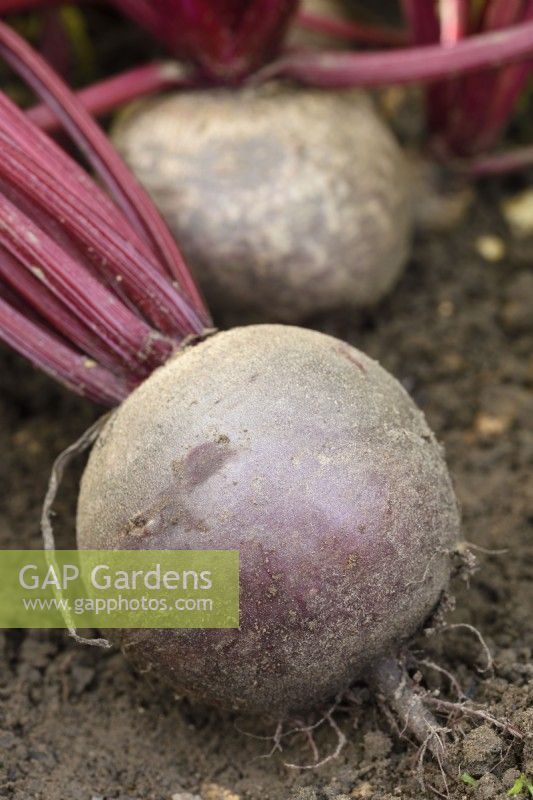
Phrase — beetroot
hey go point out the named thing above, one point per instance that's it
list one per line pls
(286, 202)
(306, 456)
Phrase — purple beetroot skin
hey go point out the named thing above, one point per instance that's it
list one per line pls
(306, 456)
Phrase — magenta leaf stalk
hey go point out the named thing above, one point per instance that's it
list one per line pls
(509, 88)
(53, 311)
(261, 32)
(422, 19)
(411, 65)
(132, 84)
(453, 20)
(499, 163)
(501, 13)
(46, 352)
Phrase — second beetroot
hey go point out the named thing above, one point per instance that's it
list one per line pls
(285, 202)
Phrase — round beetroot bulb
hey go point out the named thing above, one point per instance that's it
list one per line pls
(310, 459)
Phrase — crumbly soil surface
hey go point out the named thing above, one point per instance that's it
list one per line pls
(77, 724)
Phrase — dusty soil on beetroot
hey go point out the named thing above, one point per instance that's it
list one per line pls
(76, 723)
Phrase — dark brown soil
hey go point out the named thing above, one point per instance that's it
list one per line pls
(76, 723)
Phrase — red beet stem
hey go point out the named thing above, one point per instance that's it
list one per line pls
(53, 312)
(106, 95)
(61, 362)
(423, 20)
(453, 20)
(501, 13)
(261, 32)
(352, 31)
(134, 202)
(427, 63)
(499, 163)
(196, 30)
(484, 109)
(508, 89)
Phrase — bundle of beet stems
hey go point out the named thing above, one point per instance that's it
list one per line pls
(346, 522)
(94, 290)
(459, 48)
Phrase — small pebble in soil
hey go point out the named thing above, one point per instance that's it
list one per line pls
(364, 790)
(508, 403)
(213, 791)
(489, 425)
(445, 309)
(481, 749)
(518, 213)
(185, 796)
(490, 248)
